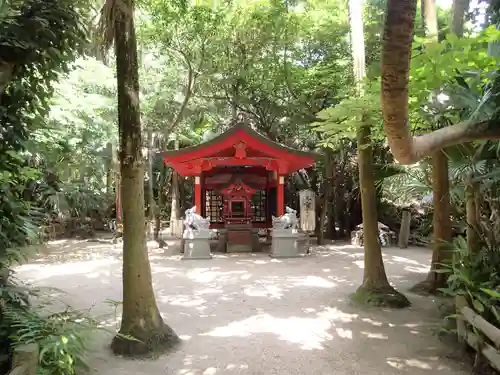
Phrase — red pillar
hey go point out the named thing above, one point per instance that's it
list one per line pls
(197, 194)
(280, 196)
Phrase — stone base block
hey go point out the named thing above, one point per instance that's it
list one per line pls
(196, 244)
(285, 245)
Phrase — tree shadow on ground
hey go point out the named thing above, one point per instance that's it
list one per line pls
(250, 314)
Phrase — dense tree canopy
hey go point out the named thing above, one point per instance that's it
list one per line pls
(79, 121)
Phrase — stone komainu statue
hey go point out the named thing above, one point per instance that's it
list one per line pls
(195, 221)
(286, 221)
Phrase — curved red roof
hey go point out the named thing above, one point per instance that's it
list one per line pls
(242, 146)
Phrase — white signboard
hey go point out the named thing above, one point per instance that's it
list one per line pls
(307, 210)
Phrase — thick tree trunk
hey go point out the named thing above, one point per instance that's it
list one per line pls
(396, 53)
(375, 289)
(141, 318)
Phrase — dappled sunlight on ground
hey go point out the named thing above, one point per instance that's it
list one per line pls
(250, 314)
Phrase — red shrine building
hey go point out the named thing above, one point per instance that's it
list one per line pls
(239, 177)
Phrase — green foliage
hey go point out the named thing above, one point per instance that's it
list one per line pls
(476, 276)
(446, 78)
(63, 338)
(34, 52)
(38, 41)
(344, 119)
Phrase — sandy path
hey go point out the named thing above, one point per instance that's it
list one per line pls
(248, 314)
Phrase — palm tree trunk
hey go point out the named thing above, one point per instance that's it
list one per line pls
(375, 289)
(141, 318)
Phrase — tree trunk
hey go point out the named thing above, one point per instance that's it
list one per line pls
(460, 8)
(472, 212)
(440, 184)
(375, 289)
(332, 225)
(396, 53)
(162, 197)
(327, 187)
(118, 183)
(109, 168)
(404, 232)
(429, 18)
(341, 211)
(175, 210)
(151, 198)
(441, 223)
(141, 319)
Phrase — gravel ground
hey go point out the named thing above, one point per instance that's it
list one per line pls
(249, 314)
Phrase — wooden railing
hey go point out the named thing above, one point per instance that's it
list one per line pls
(25, 360)
(478, 333)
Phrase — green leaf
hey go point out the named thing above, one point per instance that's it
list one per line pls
(478, 306)
(491, 293)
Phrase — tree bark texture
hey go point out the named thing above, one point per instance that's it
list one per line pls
(440, 220)
(374, 273)
(375, 289)
(141, 318)
(396, 54)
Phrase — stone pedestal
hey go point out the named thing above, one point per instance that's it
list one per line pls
(196, 244)
(239, 238)
(256, 247)
(285, 244)
(222, 241)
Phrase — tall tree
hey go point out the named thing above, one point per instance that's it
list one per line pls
(142, 328)
(375, 289)
(441, 219)
(396, 53)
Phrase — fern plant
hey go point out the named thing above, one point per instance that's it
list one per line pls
(63, 337)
